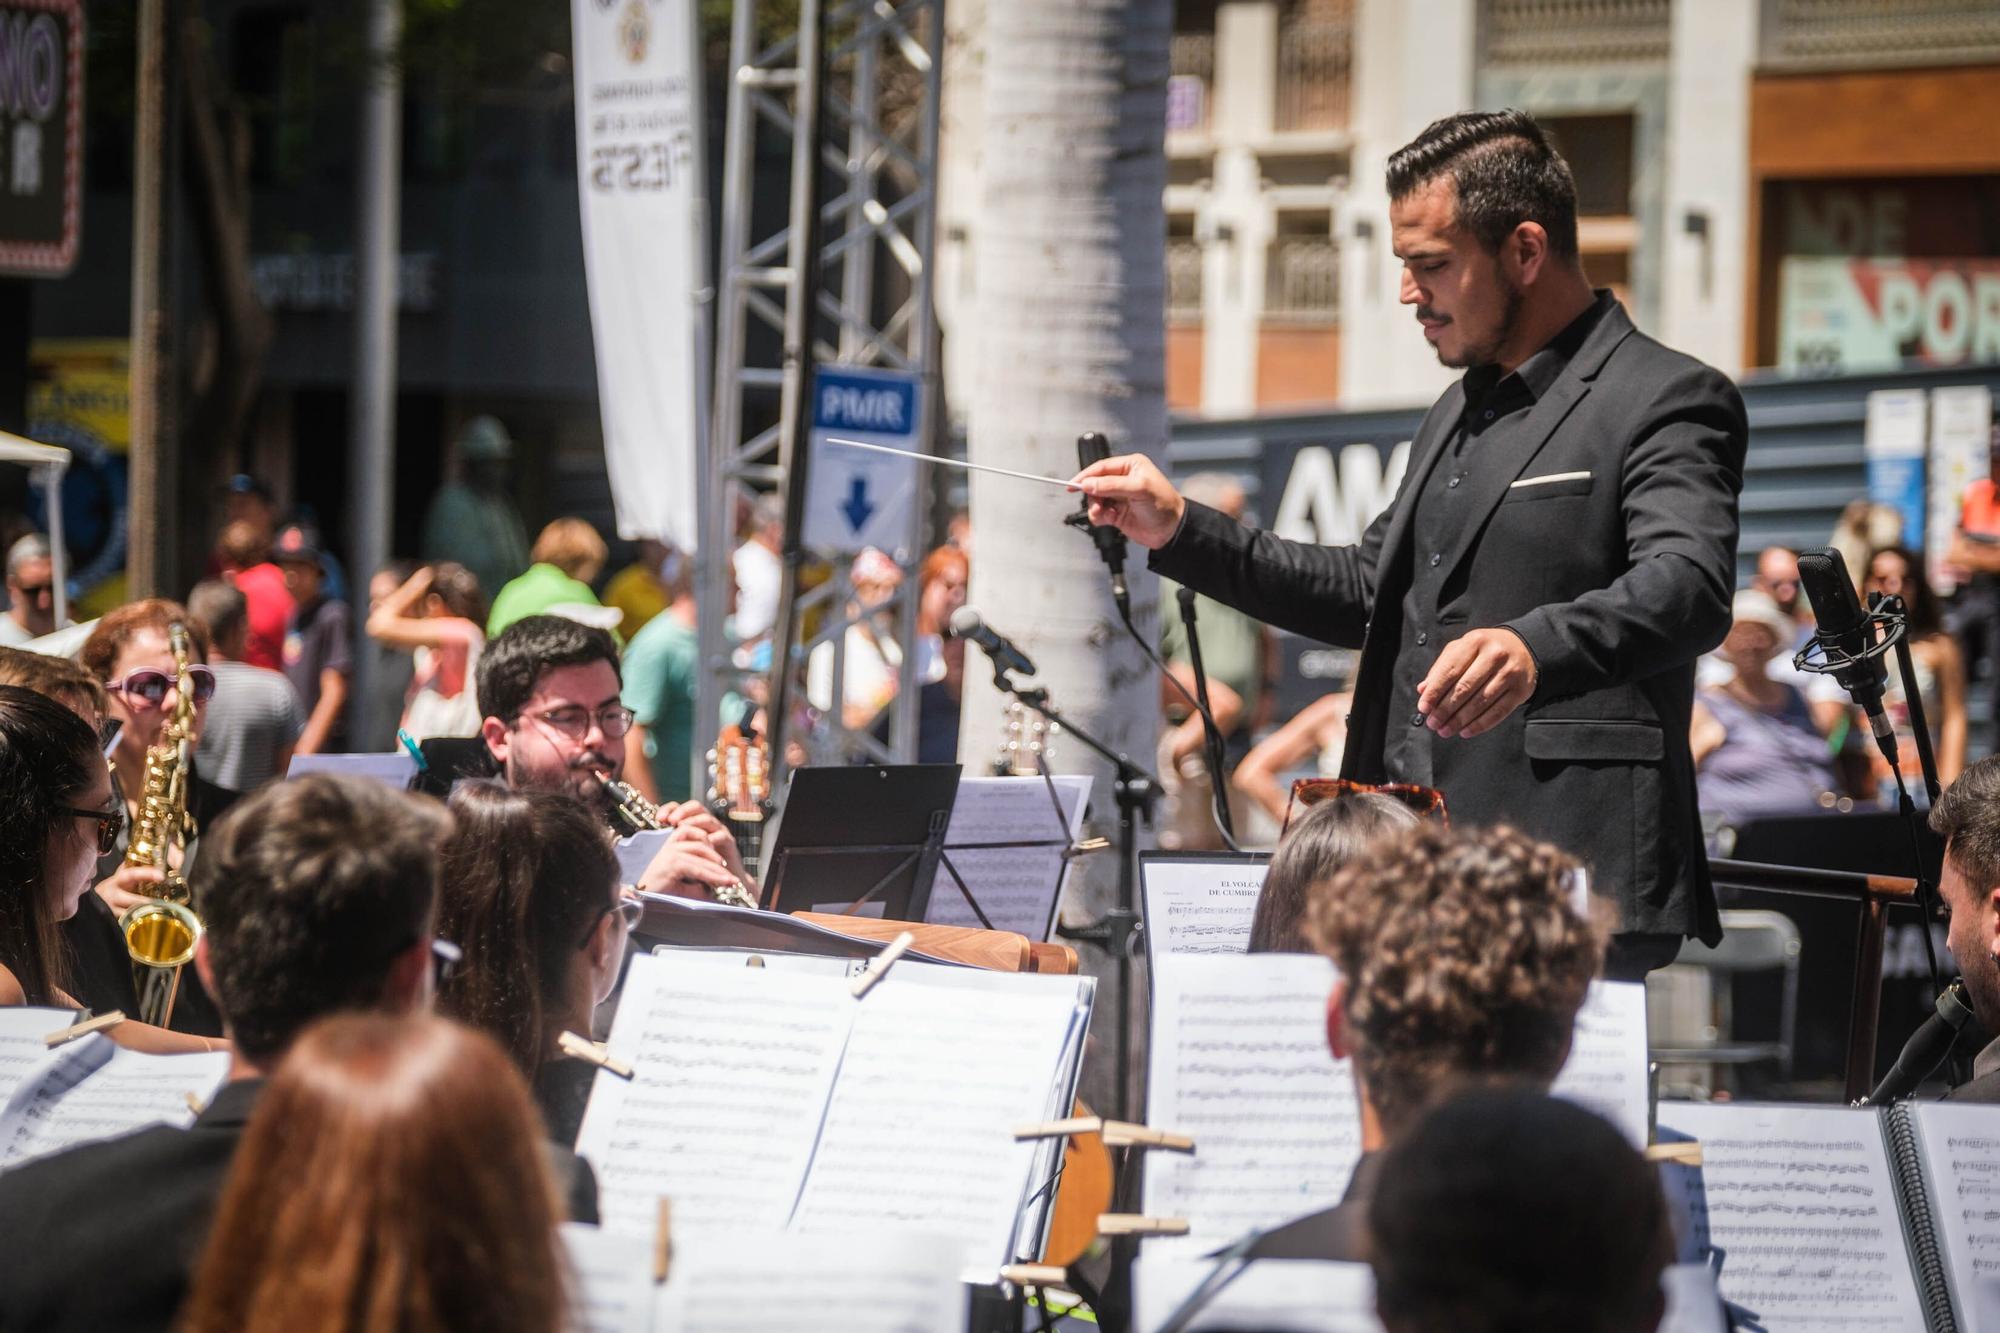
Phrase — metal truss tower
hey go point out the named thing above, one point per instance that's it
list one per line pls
(841, 277)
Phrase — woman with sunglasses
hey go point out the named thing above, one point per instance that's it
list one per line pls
(530, 892)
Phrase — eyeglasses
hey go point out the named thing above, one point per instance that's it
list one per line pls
(574, 721)
(110, 823)
(32, 591)
(149, 685)
(630, 911)
(1426, 801)
(445, 960)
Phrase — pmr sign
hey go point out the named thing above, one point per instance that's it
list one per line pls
(41, 136)
(858, 498)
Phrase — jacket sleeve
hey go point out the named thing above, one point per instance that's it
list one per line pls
(1682, 476)
(1322, 592)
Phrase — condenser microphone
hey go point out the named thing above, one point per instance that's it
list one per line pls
(966, 624)
(1844, 636)
(1927, 1048)
(1091, 447)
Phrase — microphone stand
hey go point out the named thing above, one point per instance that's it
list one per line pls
(1211, 734)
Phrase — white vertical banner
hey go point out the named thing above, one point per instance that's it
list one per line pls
(638, 159)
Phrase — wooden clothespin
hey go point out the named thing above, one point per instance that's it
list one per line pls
(1060, 1129)
(878, 966)
(1122, 1134)
(663, 1240)
(582, 1048)
(1686, 1152)
(193, 1102)
(83, 1027)
(1084, 847)
(1132, 1224)
(1036, 1275)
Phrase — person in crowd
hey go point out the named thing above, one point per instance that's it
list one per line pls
(645, 587)
(255, 718)
(1939, 666)
(1864, 527)
(567, 558)
(1460, 959)
(662, 667)
(31, 591)
(429, 1203)
(58, 678)
(319, 897)
(245, 499)
(472, 520)
(1973, 561)
(1967, 817)
(872, 657)
(1757, 752)
(1316, 733)
(758, 564)
(245, 551)
(942, 581)
(1549, 1219)
(435, 614)
(1323, 837)
(1238, 654)
(1777, 577)
(531, 893)
(319, 643)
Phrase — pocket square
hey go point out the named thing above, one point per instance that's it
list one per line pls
(1545, 480)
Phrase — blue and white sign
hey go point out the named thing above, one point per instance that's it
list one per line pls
(1893, 442)
(858, 498)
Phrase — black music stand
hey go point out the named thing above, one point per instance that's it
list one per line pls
(851, 837)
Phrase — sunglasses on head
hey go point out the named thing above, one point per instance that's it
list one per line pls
(1426, 801)
(150, 685)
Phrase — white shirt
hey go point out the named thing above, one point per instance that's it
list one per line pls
(758, 575)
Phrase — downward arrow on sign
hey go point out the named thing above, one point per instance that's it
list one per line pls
(856, 506)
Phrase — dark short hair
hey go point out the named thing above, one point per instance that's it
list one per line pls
(1967, 817)
(220, 607)
(310, 889)
(1507, 1210)
(1322, 839)
(512, 665)
(1505, 170)
(46, 758)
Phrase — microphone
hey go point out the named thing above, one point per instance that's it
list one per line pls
(1927, 1047)
(1091, 447)
(1844, 639)
(966, 624)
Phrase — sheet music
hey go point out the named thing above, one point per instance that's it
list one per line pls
(1606, 1072)
(23, 1052)
(731, 1070)
(940, 1068)
(1798, 1205)
(1693, 1303)
(396, 767)
(896, 1282)
(1199, 907)
(636, 852)
(1959, 1143)
(1017, 887)
(613, 1288)
(97, 1090)
(1239, 1062)
(1284, 1296)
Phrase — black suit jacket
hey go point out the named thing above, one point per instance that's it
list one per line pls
(1617, 579)
(103, 1238)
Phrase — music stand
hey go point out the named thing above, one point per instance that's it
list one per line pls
(864, 838)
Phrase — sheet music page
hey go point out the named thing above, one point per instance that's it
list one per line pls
(1199, 907)
(732, 1068)
(636, 852)
(1693, 1303)
(613, 1287)
(939, 1070)
(102, 1092)
(1239, 1062)
(891, 1282)
(396, 767)
(23, 1053)
(1959, 1143)
(1606, 1072)
(1798, 1204)
(1284, 1296)
(1017, 887)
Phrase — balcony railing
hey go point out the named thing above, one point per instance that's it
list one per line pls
(1314, 60)
(1568, 32)
(1879, 32)
(1183, 278)
(1302, 280)
(1192, 79)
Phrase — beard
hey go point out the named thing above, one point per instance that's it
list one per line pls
(1486, 352)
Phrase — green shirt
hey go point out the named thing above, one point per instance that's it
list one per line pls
(532, 594)
(659, 669)
(1232, 644)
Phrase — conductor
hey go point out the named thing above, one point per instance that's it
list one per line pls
(1559, 552)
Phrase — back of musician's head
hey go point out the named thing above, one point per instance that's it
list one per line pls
(1322, 838)
(1462, 958)
(527, 877)
(57, 678)
(312, 892)
(1508, 1211)
(512, 664)
(393, 1176)
(47, 760)
(1504, 171)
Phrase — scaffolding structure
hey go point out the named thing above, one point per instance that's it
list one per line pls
(842, 278)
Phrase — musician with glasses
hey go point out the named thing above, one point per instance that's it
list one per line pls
(31, 591)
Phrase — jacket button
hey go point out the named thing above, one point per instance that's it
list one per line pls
(1437, 558)
(1422, 638)
(1416, 719)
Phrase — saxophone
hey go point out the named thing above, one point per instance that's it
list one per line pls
(161, 934)
(643, 816)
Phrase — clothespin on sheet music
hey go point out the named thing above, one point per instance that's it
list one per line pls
(1116, 1133)
(1084, 847)
(83, 1027)
(663, 1240)
(1036, 1275)
(878, 966)
(1686, 1152)
(582, 1048)
(193, 1102)
(1060, 1129)
(1132, 1224)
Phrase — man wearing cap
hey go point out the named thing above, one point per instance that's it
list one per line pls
(472, 520)
(319, 646)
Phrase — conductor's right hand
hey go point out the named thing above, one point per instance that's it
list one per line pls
(1131, 494)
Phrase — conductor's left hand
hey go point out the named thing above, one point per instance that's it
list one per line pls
(1476, 682)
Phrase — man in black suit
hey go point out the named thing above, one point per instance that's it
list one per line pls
(318, 897)
(1560, 551)
(1967, 817)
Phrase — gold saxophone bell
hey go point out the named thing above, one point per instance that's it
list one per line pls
(161, 937)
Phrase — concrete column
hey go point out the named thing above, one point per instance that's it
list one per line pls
(1705, 246)
(1235, 227)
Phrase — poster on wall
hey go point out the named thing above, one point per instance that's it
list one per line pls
(41, 136)
(79, 397)
(1893, 440)
(1841, 316)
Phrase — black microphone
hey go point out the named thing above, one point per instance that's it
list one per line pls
(1092, 447)
(1843, 636)
(1926, 1048)
(966, 624)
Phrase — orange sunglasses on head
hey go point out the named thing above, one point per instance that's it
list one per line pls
(1426, 801)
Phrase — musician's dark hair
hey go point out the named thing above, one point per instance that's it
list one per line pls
(1464, 960)
(526, 876)
(311, 890)
(99, 654)
(48, 756)
(1920, 604)
(1504, 170)
(1967, 817)
(430, 1201)
(1549, 1217)
(512, 664)
(1322, 838)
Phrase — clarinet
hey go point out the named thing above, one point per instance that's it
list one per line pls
(644, 816)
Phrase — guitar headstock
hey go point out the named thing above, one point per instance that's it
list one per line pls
(739, 771)
(1024, 743)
